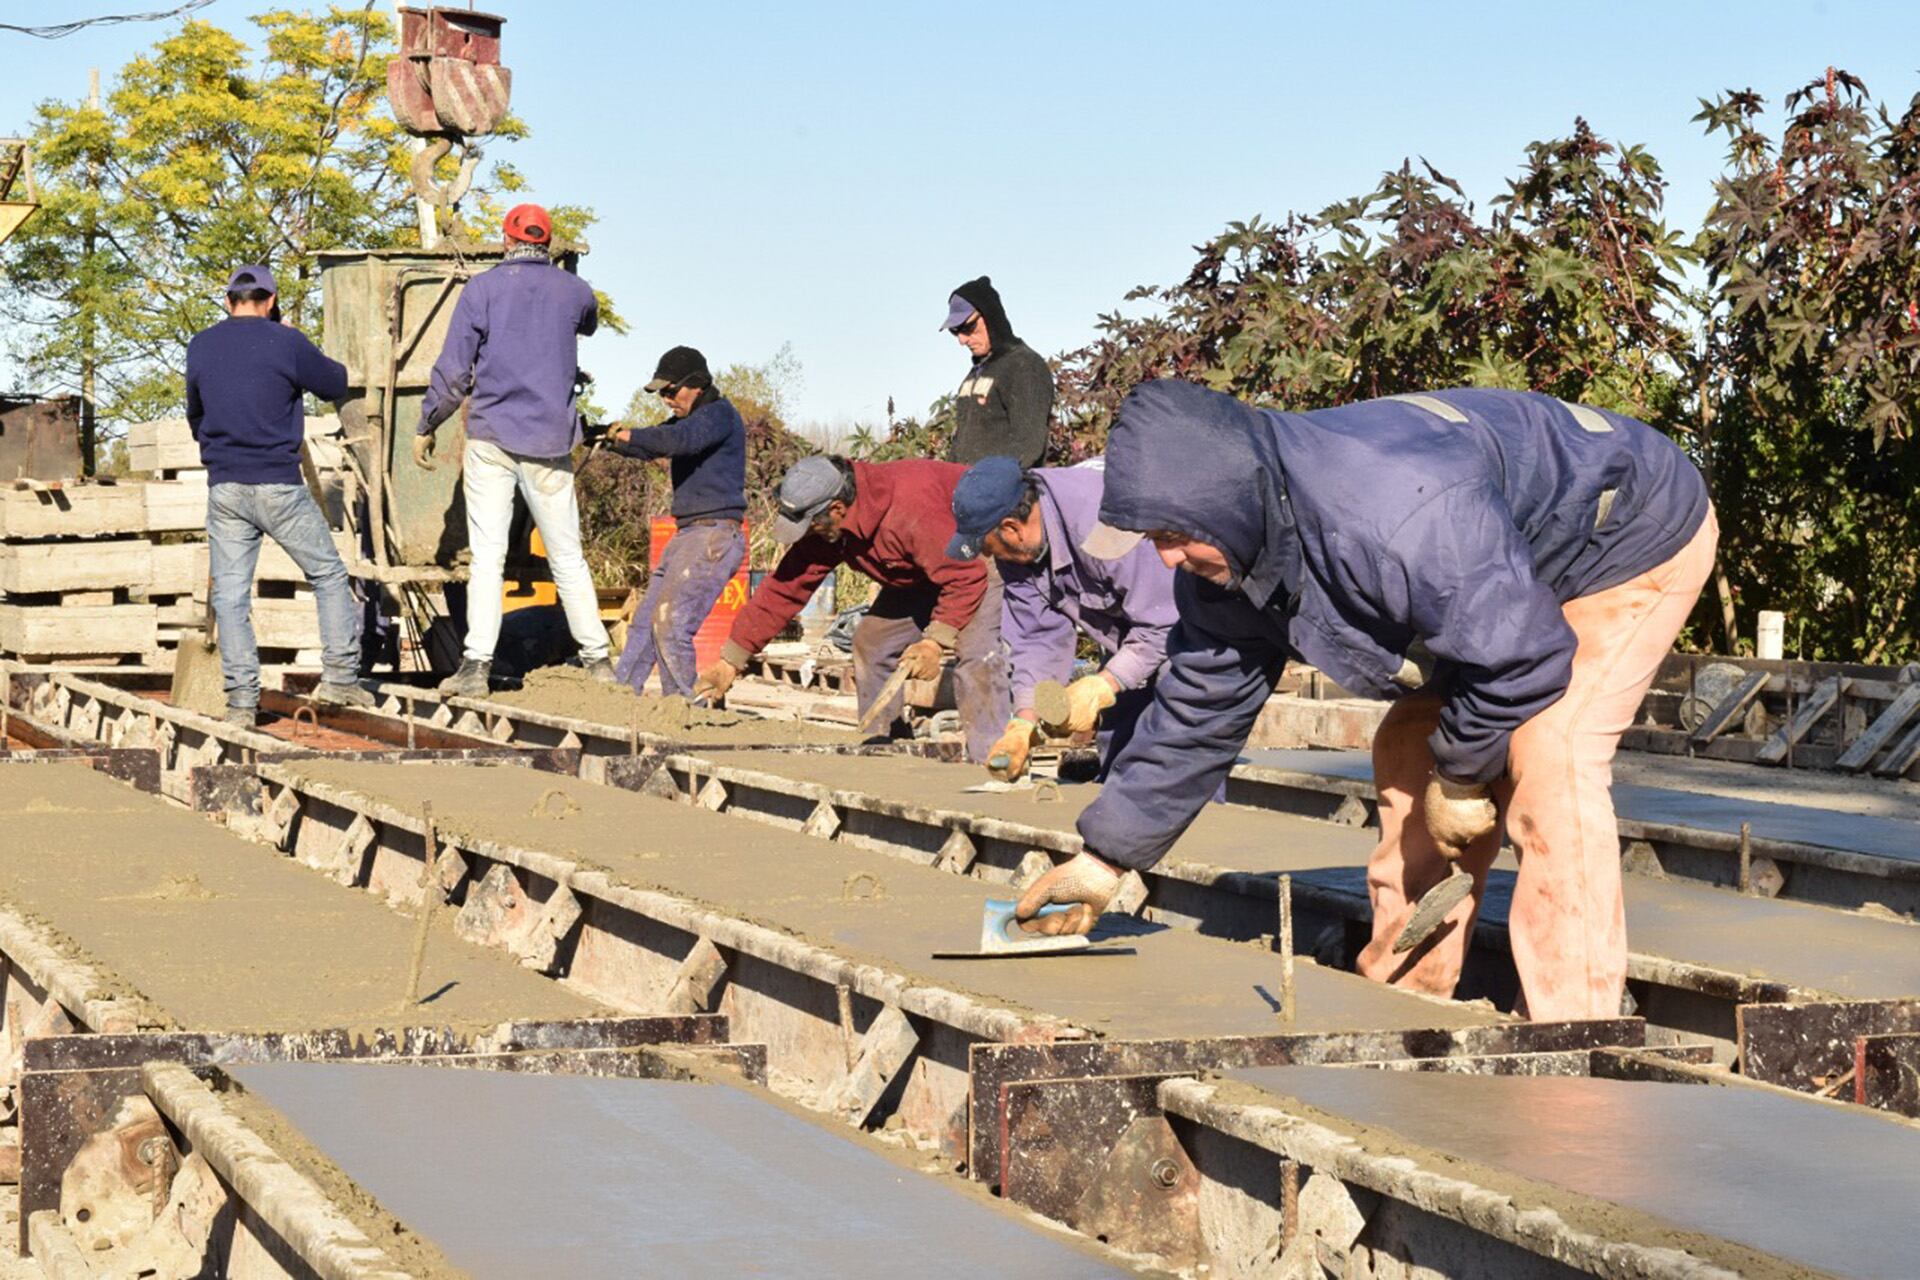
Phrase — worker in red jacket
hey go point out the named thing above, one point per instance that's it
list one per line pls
(892, 521)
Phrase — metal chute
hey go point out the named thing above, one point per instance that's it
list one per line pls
(447, 85)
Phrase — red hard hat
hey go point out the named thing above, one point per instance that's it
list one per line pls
(529, 222)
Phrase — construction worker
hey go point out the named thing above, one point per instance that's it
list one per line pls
(707, 445)
(1032, 523)
(513, 350)
(1511, 569)
(1006, 401)
(245, 379)
(892, 521)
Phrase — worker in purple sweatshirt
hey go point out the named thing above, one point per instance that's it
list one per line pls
(706, 444)
(1032, 523)
(245, 379)
(512, 352)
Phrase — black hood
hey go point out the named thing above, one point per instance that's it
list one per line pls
(1202, 464)
(984, 298)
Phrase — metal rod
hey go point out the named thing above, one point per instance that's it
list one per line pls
(1289, 1202)
(1746, 857)
(429, 893)
(1286, 950)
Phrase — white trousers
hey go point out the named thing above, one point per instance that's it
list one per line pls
(490, 475)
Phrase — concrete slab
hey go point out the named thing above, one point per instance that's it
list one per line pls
(1852, 814)
(222, 935)
(1812, 947)
(869, 905)
(1827, 1187)
(593, 1178)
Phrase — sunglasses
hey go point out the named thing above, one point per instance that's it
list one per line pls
(667, 392)
(966, 330)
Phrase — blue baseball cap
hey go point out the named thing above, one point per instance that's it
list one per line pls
(255, 276)
(958, 309)
(986, 495)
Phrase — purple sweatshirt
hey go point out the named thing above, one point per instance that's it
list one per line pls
(513, 345)
(1126, 605)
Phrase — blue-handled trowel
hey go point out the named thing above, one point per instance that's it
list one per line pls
(1001, 936)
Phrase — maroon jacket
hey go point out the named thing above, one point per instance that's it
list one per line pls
(896, 533)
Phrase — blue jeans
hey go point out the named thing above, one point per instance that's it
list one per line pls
(693, 571)
(237, 514)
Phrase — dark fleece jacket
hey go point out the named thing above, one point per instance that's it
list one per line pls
(1004, 405)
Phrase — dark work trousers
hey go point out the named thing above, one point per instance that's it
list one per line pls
(693, 571)
(896, 620)
(1115, 728)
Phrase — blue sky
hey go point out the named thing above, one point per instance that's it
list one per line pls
(822, 174)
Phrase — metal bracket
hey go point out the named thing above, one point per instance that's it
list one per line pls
(884, 1051)
(696, 984)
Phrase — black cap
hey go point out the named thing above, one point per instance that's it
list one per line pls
(675, 367)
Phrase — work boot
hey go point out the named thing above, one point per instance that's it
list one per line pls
(243, 717)
(329, 694)
(470, 681)
(600, 669)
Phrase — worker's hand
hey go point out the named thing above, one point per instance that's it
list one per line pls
(921, 660)
(1458, 813)
(620, 435)
(1007, 759)
(1087, 697)
(423, 450)
(1084, 881)
(713, 683)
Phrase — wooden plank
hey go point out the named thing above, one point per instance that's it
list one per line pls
(1825, 696)
(71, 511)
(118, 628)
(1888, 723)
(1902, 757)
(1731, 708)
(30, 568)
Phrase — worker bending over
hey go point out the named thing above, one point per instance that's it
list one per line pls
(1032, 523)
(1006, 400)
(707, 445)
(1509, 568)
(893, 522)
(245, 379)
(513, 350)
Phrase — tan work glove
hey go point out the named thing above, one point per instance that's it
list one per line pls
(921, 660)
(713, 683)
(1087, 697)
(1084, 880)
(423, 451)
(1458, 813)
(1007, 759)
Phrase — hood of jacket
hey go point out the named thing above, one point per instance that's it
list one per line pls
(984, 298)
(1202, 464)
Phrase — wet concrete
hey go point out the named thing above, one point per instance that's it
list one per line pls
(1825, 1187)
(1176, 983)
(1809, 946)
(570, 692)
(1814, 817)
(588, 1178)
(223, 935)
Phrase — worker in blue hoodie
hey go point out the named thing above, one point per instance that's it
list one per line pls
(706, 444)
(246, 379)
(1508, 568)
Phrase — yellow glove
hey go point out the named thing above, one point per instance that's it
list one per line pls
(921, 660)
(713, 683)
(1087, 697)
(423, 451)
(1007, 759)
(1458, 813)
(1083, 880)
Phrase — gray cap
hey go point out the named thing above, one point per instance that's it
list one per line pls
(809, 488)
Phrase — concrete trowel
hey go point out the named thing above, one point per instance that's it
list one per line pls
(1001, 935)
(1432, 909)
(197, 683)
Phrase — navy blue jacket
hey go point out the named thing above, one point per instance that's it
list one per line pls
(1392, 543)
(709, 452)
(245, 378)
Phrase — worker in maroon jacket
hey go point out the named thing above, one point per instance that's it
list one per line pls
(892, 521)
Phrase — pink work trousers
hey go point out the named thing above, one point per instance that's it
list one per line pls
(1568, 926)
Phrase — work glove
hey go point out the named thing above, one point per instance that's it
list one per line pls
(1087, 697)
(423, 450)
(921, 660)
(713, 683)
(1007, 759)
(1084, 882)
(1458, 813)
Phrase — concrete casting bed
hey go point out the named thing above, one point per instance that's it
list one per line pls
(201, 930)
